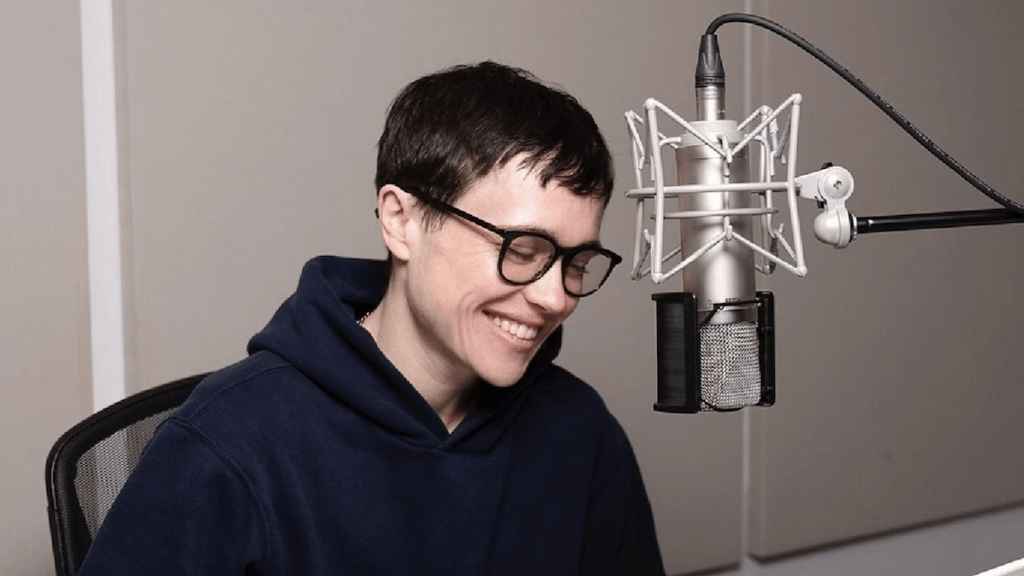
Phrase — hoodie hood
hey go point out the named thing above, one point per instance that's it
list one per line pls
(315, 330)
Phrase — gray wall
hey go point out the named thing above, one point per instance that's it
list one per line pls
(44, 298)
(246, 146)
(250, 132)
(901, 358)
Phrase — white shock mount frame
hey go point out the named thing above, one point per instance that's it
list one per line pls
(830, 186)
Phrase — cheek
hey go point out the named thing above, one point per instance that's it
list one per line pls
(473, 266)
(570, 307)
(462, 275)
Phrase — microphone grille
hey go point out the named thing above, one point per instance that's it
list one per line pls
(730, 370)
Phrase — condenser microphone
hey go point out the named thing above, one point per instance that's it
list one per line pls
(715, 340)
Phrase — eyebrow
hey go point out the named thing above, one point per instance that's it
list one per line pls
(531, 229)
(549, 235)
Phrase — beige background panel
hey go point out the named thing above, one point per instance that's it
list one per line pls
(247, 134)
(900, 359)
(44, 298)
(251, 131)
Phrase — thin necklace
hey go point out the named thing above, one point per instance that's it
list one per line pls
(365, 316)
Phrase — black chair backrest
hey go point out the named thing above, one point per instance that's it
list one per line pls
(88, 466)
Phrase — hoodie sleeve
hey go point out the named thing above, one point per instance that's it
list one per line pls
(184, 510)
(620, 534)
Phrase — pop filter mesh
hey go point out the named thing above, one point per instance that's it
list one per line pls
(730, 372)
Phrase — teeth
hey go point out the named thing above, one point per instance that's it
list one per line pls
(518, 330)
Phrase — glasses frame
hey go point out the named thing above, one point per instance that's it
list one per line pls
(508, 236)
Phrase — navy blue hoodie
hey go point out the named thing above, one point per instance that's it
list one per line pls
(316, 456)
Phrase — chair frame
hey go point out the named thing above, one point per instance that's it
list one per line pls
(69, 531)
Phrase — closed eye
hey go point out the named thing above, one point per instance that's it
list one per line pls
(577, 269)
(521, 255)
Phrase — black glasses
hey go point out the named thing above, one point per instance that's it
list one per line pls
(525, 257)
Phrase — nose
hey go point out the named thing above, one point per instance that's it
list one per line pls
(548, 291)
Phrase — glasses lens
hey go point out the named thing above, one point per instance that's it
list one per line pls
(586, 271)
(525, 258)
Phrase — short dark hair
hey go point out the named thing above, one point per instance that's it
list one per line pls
(447, 130)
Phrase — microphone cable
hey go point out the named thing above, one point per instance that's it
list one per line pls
(914, 131)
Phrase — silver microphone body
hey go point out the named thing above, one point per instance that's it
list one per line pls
(725, 274)
(716, 339)
(722, 280)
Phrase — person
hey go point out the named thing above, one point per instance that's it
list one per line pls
(405, 416)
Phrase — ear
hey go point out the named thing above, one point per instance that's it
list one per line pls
(399, 222)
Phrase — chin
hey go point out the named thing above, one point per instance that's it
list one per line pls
(504, 376)
(503, 383)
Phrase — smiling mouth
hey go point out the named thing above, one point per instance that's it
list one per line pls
(521, 331)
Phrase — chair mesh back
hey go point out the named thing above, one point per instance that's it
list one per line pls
(104, 468)
(89, 464)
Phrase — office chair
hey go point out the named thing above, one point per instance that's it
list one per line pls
(88, 466)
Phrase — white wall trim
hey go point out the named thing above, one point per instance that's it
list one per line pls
(1015, 568)
(103, 211)
(748, 108)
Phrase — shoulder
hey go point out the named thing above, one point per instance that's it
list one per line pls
(563, 403)
(239, 383)
(252, 397)
(558, 388)
(566, 421)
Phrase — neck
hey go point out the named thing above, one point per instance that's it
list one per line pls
(449, 391)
